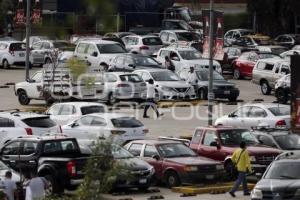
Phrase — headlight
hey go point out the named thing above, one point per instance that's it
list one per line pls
(252, 158)
(152, 171)
(168, 89)
(256, 194)
(219, 167)
(190, 168)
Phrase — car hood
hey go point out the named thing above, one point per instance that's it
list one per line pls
(277, 184)
(173, 84)
(204, 62)
(134, 164)
(192, 161)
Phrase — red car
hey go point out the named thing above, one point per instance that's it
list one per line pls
(175, 163)
(243, 66)
(219, 143)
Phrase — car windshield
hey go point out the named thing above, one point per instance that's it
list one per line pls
(126, 122)
(284, 170)
(280, 111)
(131, 78)
(267, 55)
(17, 47)
(111, 48)
(91, 109)
(235, 137)
(3, 166)
(288, 142)
(120, 153)
(144, 61)
(175, 150)
(152, 41)
(187, 36)
(39, 122)
(165, 76)
(190, 55)
(57, 147)
(203, 75)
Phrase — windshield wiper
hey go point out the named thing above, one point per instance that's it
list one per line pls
(287, 176)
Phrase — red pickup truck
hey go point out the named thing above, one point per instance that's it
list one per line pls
(219, 143)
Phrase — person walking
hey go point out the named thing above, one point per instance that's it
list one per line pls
(36, 187)
(10, 187)
(241, 160)
(150, 102)
(169, 64)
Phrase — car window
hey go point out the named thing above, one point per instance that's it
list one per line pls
(3, 46)
(119, 60)
(236, 35)
(11, 149)
(172, 37)
(126, 122)
(242, 112)
(91, 49)
(285, 69)
(164, 36)
(280, 111)
(265, 140)
(146, 76)
(39, 122)
(67, 110)
(229, 34)
(86, 121)
(134, 78)
(5, 122)
(60, 146)
(184, 74)
(111, 48)
(150, 151)
(37, 46)
(131, 41)
(128, 60)
(283, 171)
(152, 41)
(85, 110)
(236, 136)
(209, 138)
(29, 148)
(135, 149)
(175, 150)
(261, 65)
(110, 78)
(257, 112)
(37, 77)
(164, 53)
(98, 121)
(197, 137)
(81, 48)
(269, 67)
(46, 45)
(54, 110)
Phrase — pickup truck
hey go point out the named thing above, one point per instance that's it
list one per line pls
(57, 158)
(219, 143)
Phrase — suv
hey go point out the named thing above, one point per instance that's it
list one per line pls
(220, 142)
(12, 53)
(98, 53)
(56, 158)
(283, 89)
(267, 71)
(171, 36)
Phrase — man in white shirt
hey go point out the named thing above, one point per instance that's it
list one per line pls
(150, 99)
(192, 78)
(10, 186)
(36, 188)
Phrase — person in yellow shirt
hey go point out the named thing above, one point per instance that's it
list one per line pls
(241, 159)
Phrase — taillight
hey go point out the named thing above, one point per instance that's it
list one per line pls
(144, 48)
(29, 131)
(123, 85)
(280, 124)
(117, 132)
(71, 168)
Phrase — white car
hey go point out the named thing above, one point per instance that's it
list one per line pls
(34, 39)
(287, 54)
(248, 116)
(185, 57)
(30, 89)
(168, 85)
(89, 128)
(34, 124)
(63, 113)
(145, 45)
(99, 53)
(232, 35)
(171, 36)
(12, 53)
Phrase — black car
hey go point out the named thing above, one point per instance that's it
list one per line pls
(287, 40)
(223, 89)
(281, 180)
(131, 62)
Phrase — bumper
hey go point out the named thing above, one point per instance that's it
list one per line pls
(198, 177)
(259, 169)
(76, 182)
(224, 94)
(135, 182)
(131, 96)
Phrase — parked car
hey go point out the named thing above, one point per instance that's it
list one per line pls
(245, 41)
(30, 89)
(175, 163)
(287, 54)
(171, 36)
(168, 85)
(12, 53)
(243, 65)
(232, 35)
(281, 180)
(89, 128)
(222, 88)
(131, 62)
(283, 89)
(278, 138)
(56, 158)
(287, 40)
(267, 71)
(185, 57)
(272, 49)
(230, 54)
(99, 53)
(36, 38)
(120, 86)
(117, 34)
(62, 113)
(34, 124)
(145, 45)
(219, 143)
(257, 114)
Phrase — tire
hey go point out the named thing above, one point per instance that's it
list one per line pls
(265, 88)
(23, 98)
(111, 99)
(232, 99)
(172, 179)
(202, 94)
(236, 74)
(281, 96)
(5, 64)
(54, 186)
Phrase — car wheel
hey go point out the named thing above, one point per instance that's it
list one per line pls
(232, 99)
(281, 96)
(202, 94)
(53, 186)
(5, 64)
(111, 99)
(23, 98)
(265, 88)
(104, 67)
(172, 179)
(236, 74)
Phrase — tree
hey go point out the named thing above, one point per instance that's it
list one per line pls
(5, 6)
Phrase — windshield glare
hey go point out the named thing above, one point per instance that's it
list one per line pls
(111, 48)
(284, 171)
(203, 75)
(235, 137)
(288, 142)
(175, 150)
(190, 55)
(120, 153)
(144, 61)
(165, 76)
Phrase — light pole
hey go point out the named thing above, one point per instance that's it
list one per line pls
(27, 40)
(211, 45)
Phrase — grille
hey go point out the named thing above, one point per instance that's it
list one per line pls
(265, 159)
(141, 172)
(225, 87)
(181, 89)
(278, 195)
(207, 168)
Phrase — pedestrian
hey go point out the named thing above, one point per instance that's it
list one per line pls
(241, 160)
(150, 101)
(10, 187)
(169, 64)
(36, 187)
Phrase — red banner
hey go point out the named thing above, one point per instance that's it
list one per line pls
(36, 16)
(20, 17)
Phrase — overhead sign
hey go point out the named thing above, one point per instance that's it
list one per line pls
(20, 14)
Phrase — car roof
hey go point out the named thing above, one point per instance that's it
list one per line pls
(267, 105)
(44, 138)
(23, 115)
(120, 73)
(177, 31)
(241, 29)
(110, 115)
(270, 46)
(95, 41)
(156, 142)
(153, 70)
(12, 41)
(273, 60)
(220, 128)
(79, 104)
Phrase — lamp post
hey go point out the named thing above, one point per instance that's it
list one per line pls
(211, 45)
(28, 23)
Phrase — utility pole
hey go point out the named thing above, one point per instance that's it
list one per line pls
(27, 39)
(211, 45)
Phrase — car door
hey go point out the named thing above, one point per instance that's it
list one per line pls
(162, 55)
(129, 65)
(118, 64)
(79, 128)
(250, 63)
(10, 154)
(208, 147)
(27, 150)
(164, 37)
(176, 60)
(37, 58)
(195, 143)
(81, 50)
(256, 117)
(238, 117)
(65, 114)
(148, 155)
(92, 55)
(35, 86)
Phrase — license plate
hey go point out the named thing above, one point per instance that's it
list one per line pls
(209, 177)
(143, 181)
(227, 92)
(21, 54)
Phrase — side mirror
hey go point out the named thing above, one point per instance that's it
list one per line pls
(215, 144)
(73, 125)
(231, 115)
(175, 58)
(31, 81)
(131, 65)
(156, 157)
(94, 54)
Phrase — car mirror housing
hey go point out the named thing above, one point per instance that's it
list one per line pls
(156, 157)
(73, 125)
(95, 54)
